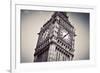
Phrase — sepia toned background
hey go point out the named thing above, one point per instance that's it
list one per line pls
(32, 21)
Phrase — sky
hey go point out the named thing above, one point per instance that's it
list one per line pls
(32, 21)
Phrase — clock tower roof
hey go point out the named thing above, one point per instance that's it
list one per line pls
(61, 15)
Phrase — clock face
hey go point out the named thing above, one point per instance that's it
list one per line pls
(44, 35)
(64, 34)
(67, 38)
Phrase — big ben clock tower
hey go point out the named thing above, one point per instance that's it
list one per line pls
(56, 40)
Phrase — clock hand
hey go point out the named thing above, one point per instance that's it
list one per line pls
(65, 35)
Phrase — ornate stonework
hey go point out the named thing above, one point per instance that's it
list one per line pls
(56, 40)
